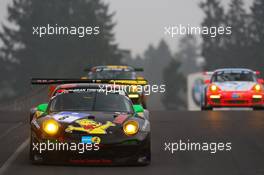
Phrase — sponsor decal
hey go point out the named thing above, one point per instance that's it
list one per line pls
(38, 114)
(68, 117)
(236, 96)
(90, 139)
(120, 119)
(90, 126)
(34, 122)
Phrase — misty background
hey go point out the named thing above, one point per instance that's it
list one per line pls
(133, 34)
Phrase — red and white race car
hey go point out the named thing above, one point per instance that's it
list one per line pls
(233, 87)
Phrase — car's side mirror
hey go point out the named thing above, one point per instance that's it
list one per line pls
(138, 108)
(207, 81)
(260, 81)
(42, 107)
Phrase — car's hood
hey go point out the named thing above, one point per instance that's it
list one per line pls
(235, 85)
(90, 122)
(102, 117)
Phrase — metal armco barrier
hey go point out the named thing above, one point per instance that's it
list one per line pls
(24, 103)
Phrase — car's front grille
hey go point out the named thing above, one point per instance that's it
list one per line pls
(236, 101)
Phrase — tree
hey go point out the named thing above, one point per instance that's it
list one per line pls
(56, 55)
(237, 47)
(188, 54)
(257, 26)
(212, 46)
(156, 59)
(175, 82)
(244, 47)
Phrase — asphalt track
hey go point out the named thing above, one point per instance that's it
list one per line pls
(245, 129)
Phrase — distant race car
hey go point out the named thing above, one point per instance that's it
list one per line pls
(81, 124)
(233, 87)
(120, 74)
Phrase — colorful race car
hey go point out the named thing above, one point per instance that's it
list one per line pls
(233, 87)
(83, 125)
(123, 75)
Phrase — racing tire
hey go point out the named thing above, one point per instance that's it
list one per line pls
(204, 106)
(258, 108)
(147, 155)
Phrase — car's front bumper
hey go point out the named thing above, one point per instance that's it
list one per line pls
(127, 152)
(235, 99)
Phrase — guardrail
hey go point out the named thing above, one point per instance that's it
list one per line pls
(24, 103)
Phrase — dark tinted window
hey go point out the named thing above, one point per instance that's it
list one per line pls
(223, 76)
(113, 74)
(91, 101)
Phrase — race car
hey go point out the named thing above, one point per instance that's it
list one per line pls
(123, 75)
(233, 87)
(83, 125)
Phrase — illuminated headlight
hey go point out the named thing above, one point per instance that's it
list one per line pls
(133, 95)
(213, 88)
(257, 96)
(215, 96)
(50, 126)
(257, 87)
(131, 127)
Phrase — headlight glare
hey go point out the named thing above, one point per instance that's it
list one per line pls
(51, 127)
(257, 87)
(213, 88)
(131, 127)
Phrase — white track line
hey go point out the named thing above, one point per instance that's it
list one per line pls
(13, 157)
(10, 129)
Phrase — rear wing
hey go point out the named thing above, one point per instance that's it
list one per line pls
(50, 81)
(136, 69)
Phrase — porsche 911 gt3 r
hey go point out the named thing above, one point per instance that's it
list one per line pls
(233, 88)
(123, 75)
(84, 125)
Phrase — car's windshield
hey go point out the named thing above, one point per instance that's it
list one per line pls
(91, 101)
(223, 76)
(113, 74)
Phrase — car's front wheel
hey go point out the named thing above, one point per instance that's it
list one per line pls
(258, 108)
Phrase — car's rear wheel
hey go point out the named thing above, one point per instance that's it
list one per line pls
(145, 158)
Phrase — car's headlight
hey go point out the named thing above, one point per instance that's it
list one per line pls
(213, 88)
(257, 87)
(131, 127)
(50, 126)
